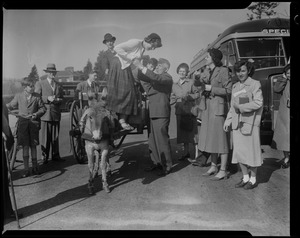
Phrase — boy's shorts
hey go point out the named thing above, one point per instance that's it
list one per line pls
(28, 132)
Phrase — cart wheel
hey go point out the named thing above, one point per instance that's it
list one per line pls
(77, 144)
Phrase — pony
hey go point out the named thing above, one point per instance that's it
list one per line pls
(97, 126)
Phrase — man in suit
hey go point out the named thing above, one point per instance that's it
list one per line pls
(158, 86)
(52, 95)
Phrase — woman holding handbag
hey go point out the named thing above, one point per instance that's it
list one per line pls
(184, 94)
(212, 138)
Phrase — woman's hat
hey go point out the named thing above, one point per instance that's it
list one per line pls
(108, 37)
(50, 68)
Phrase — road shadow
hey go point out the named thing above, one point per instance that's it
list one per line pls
(46, 168)
(265, 171)
(78, 193)
(135, 159)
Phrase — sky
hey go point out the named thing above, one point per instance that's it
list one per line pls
(71, 37)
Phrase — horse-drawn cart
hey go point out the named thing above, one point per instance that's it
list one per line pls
(78, 107)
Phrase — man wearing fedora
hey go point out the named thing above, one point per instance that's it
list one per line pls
(52, 95)
(109, 41)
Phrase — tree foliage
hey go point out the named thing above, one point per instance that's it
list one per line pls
(259, 9)
(33, 75)
(98, 66)
(87, 69)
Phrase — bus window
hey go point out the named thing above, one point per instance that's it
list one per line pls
(265, 52)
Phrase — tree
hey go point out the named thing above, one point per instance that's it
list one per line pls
(98, 66)
(34, 74)
(87, 69)
(261, 8)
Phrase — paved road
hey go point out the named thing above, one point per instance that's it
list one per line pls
(184, 200)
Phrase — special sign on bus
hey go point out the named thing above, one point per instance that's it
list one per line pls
(278, 31)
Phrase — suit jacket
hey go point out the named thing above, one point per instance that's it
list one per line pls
(53, 112)
(250, 113)
(158, 88)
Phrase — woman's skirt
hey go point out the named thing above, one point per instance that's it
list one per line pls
(212, 137)
(246, 148)
(121, 97)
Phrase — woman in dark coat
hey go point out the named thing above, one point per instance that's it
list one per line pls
(281, 138)
(121, 96)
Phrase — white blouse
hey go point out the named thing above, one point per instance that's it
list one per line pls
(129, 50)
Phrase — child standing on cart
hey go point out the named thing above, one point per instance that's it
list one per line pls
(31, 108)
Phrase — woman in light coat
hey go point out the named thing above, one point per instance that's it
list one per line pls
(212, 138)
(281, 138)
(184, 94)
(244, 118)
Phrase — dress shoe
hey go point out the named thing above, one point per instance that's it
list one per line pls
(241, 184)
(250, 185)
(58, 159)
(226, 176)
(200, 160)
(207, 174)
(125, 126)
(153, 167)
(185, 157)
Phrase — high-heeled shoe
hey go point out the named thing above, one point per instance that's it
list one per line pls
(207, 174)
(226, 176)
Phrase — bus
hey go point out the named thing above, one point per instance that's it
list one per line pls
(69, 93)
(267, 43)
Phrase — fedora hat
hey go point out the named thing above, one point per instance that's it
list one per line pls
(50, 68)
(108, 37)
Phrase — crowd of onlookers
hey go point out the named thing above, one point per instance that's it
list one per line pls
(215, 117)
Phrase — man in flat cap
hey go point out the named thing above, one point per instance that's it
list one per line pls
(158, 86)
(52, 96)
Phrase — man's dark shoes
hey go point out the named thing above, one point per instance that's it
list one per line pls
(153, 167)
(58, 159)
